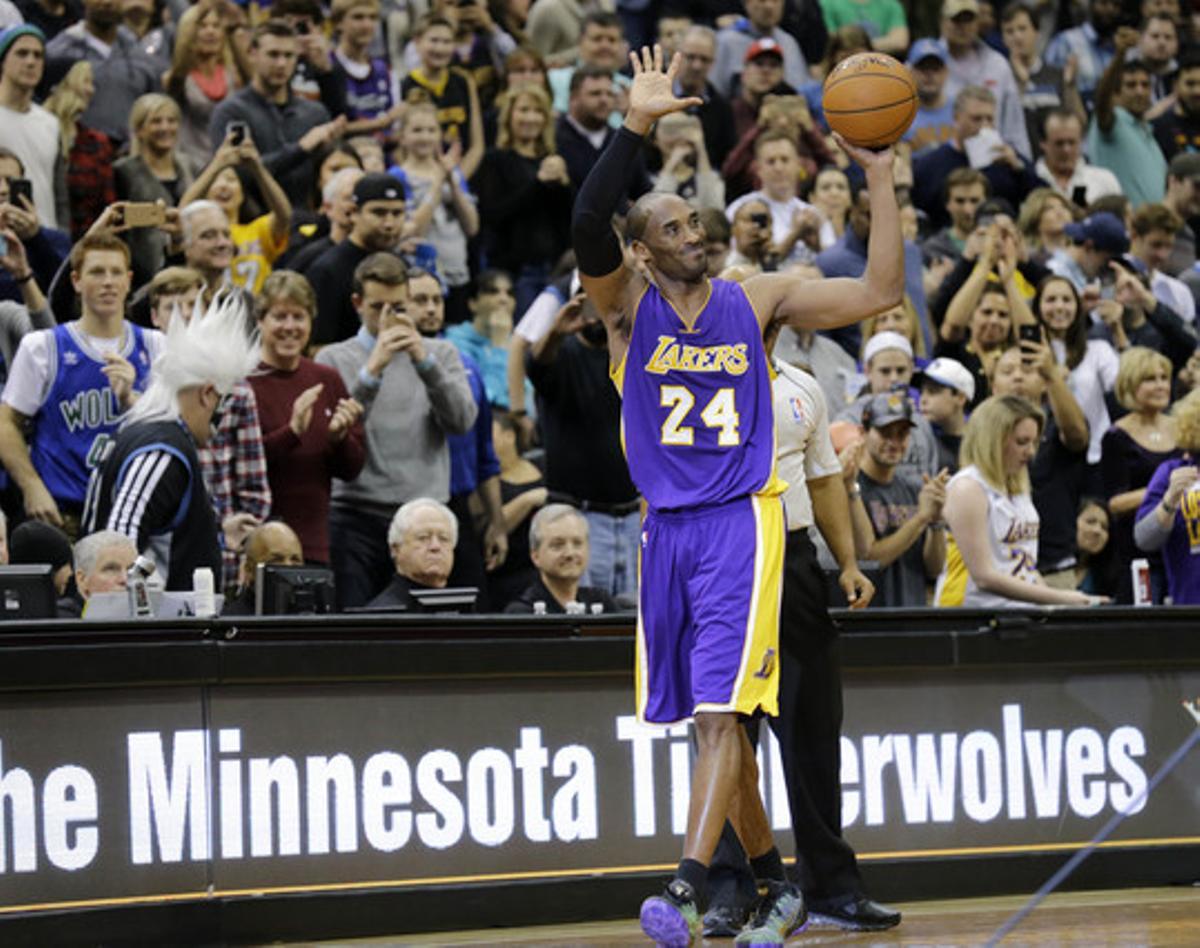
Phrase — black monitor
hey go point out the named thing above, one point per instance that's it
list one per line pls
(293, 590)
(27, 592)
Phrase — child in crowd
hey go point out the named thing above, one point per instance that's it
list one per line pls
(371, 99)
(452, 91)
(441, 206)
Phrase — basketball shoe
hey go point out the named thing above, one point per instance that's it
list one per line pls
(671, 919)
(779, 913)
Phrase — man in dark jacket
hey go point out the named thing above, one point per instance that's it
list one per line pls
(422, 538)
(558, 546)
(285, 128)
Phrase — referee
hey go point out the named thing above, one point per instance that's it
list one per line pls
(810, 689)
(149, 484)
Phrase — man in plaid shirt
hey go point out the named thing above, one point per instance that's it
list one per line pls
(233, 461)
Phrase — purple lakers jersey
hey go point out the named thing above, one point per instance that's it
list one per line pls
(696, 411)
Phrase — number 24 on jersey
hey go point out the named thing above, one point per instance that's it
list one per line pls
(720, 413)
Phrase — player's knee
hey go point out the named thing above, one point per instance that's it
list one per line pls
(714, 727)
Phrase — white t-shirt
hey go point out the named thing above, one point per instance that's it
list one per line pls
(803, 448)
(33, 137)
(31, 375)
(781, 223)
(1095, 375)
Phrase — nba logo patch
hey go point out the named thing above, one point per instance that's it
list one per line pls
(797, 409)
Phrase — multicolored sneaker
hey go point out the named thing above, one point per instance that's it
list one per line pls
(780, 912)
(671, 919)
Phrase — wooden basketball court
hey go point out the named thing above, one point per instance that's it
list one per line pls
(1126, 917)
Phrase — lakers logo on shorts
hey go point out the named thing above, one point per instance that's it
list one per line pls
(768, 665)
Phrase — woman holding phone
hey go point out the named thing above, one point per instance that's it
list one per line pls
(1062, 321)
(154, 171)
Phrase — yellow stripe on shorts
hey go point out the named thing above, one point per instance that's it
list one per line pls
(757, 682)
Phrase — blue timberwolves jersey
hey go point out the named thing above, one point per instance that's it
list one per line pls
(697, 419)
(80, 414)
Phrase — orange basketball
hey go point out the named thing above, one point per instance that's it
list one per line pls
(870, 99)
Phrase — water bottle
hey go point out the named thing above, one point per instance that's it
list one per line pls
(1140, 570)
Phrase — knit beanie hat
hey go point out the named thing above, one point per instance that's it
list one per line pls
(14, 33)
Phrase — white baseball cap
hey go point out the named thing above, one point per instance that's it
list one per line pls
(952, 374)
(886, 340)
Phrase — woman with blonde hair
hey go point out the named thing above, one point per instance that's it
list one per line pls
(206, 66)
(525, 193)
(992, 563)
(1170, 510)
(153, 171)
(87, 152)
(441, 207)
(1131, 451)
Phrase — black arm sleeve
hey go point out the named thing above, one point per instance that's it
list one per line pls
(596, 246)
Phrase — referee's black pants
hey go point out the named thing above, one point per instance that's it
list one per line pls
(808, 729)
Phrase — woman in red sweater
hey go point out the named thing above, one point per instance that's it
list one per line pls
(312, 428)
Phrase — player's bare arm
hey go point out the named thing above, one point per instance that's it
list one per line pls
(830, 303)
(610, 283)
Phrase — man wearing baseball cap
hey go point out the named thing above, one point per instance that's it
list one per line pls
(734, 42)
(888, 359)
(761, 75)
(30, 132)
(934, 122)
(1095, 241)
(904, 518)
(947, 388)
(377, 224)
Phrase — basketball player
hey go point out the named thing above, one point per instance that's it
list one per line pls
(687, 354)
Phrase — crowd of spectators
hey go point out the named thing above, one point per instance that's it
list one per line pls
(385, 190)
